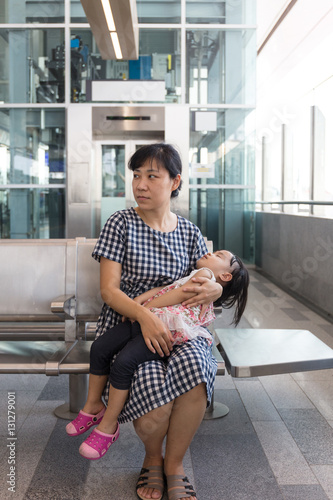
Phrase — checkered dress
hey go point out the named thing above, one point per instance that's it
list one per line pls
(151, 258)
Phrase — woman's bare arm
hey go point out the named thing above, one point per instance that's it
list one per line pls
(156, 334)
(177, 295)
(140, 299)
(204, 291)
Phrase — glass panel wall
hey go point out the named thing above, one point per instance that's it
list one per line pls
(226, 218)
(221, 67)
(219, 71)
(113, 180)
(223, 146)
(32, 11)
(32, 66)
(222, 155)
(158, 11)
(215, 11)
(32, 146)
(32, 213)
(77, 13)
(159, 59)
(32, 152)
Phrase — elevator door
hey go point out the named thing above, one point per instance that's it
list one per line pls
(115, 179)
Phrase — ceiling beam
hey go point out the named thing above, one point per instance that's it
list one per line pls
(126, 27)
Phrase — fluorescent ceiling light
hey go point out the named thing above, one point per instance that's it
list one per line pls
(116, 45)
(108, 15)
(114, 16)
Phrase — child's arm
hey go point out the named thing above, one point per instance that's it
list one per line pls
(176, 295)
(140, 299)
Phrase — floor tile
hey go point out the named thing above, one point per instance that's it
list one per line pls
(56, 388)
(328, 327)
(24, 402)
(321, 395)
(301, 492)
(38, 426)
(315, 375)
(264, 289)
(256, 401)
(285, 392)
(105, 483)
(61, 472)
(238, 468)
(22, 382)
(294, 314)
(224, 382)
(285, 458)
(312, 434)
(324, 474)
(236, 422)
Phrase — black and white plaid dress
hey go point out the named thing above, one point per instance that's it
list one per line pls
(151, 258)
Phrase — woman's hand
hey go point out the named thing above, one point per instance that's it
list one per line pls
(206, 291)
(155, 333)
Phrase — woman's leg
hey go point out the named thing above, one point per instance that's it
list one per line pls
(152, 429)
(186, 416)
(179, 421)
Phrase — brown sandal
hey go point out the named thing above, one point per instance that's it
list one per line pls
(151, 477)
(180, 487)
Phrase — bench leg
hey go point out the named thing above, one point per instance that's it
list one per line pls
(78, 390)
(215, 410)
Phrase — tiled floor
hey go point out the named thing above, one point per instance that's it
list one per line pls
(275, 443)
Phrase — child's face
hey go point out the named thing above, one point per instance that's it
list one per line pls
(218, 262)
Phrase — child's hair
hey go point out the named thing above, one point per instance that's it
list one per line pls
(235, 291)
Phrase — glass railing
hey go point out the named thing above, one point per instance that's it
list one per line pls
(300, 207)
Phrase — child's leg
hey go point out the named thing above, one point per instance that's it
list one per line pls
(94, 403)
(102, 351)
(117, 399)
(134, 353)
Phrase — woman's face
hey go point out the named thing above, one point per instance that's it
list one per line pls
(152, 185)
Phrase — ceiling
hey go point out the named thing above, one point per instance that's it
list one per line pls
(123, 27)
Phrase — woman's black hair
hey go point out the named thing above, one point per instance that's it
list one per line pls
(236, 290)
(163, 154)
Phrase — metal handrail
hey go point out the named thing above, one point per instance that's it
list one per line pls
(281, 203)
(295, 202)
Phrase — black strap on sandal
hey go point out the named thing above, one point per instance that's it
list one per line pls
(151, 477)
(179, 487)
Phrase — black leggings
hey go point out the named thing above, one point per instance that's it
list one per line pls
(127, 340)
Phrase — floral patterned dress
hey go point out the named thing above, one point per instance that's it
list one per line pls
(183, 321)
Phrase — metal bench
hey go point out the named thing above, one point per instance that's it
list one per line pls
(258, 352)
(50, 302)
(48, 312)
(49, 305)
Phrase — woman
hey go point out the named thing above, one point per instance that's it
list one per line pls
(139, 249)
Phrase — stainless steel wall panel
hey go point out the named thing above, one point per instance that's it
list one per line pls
(32, 275)
(110, 121)
(297, 252)
(89, 302)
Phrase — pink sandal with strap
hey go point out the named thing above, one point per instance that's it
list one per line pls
(97, 444)
(83, 422)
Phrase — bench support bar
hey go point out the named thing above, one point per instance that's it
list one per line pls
(78, 390)
(215, 410)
